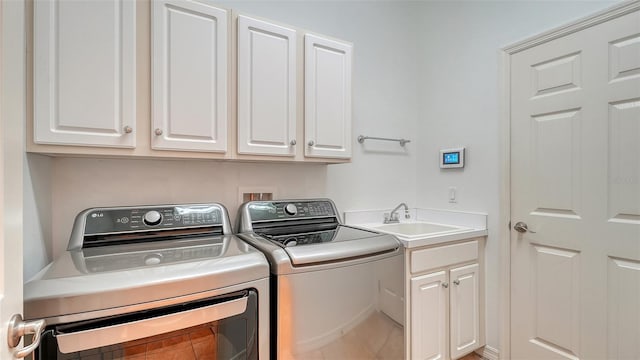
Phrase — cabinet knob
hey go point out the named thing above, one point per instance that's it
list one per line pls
(445, 285)
(158, 132)
(457, 282)
(311, 143)
(293, 142)
(128, 129)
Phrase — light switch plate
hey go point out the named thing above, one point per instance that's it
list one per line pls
(453, 195)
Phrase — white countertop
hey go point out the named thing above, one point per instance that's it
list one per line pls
(460, 225)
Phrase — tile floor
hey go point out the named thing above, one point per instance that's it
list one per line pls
(472, 356)
(377, 337)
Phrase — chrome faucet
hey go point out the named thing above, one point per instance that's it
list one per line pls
(392, 217)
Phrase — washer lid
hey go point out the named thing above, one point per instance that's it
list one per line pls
(87, 280)
(347, 243)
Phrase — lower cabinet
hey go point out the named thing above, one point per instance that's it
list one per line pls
(429, 307)
(445, 310)
(464, 311)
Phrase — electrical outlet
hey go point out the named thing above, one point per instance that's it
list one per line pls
(453, 195)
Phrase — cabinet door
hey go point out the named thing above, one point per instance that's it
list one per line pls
(428, 316)
(327, 97)
(85, 72)
(266, 88)
(189, 76)
(465, 307)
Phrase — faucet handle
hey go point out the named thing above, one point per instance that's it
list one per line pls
(407, 214)
(386, 217)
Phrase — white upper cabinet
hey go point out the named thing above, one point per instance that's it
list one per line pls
(85, 72)
(209, 84)
(327, 97)
(189, 76)
(266, 88)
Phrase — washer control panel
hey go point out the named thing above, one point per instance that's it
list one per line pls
(287, 209)
(118, 220)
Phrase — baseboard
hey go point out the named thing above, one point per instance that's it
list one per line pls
(488, 353)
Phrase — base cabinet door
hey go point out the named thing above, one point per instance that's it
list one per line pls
(464, 311)
(428, 316)
(189, 69)
(84, 72)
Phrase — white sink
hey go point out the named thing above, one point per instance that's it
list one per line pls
(416, 229)
(425, 227)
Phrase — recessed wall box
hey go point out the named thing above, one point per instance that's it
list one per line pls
(452, 158)
(260, 193)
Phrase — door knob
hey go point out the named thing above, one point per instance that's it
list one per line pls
(18, 328)
(311, 143)
(128, 129)
(522, 227)
(158, 132)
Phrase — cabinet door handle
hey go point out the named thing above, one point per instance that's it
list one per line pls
(128, 129)
(293, 142)
(311, 143)
(445, 285)
(158, 132)
(457, 282)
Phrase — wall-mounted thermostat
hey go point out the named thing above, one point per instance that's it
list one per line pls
(452, 158)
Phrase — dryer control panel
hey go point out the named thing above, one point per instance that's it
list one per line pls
(278, 210)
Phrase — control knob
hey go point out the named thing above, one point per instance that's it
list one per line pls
(152, 218)
(291, 209)
(153, 259)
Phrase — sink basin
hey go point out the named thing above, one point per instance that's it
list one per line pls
(412, 229)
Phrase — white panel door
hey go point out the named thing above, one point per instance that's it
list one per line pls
(575, 175)
(12, 137)
(85, 72)
(266, 88)
(464, 315)
(189, 83)
(429, 316)
(327, 97)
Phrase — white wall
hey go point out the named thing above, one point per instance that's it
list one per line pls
(37, 193)
(80, 183)
(460, 102)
